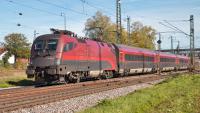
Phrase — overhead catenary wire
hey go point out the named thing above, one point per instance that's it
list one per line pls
(95, 7)
(33, 8)
(62, 7)
(100, 6)
(168, 27)
(176, 28)
(30, 7)
(17, 24)
(83, 3)
(13, 11)
(177, 20)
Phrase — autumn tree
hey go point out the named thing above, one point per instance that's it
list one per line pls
(142, 36)
(100, 26)
(17, 44)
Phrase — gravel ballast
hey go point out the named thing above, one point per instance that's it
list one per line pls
(80, 103)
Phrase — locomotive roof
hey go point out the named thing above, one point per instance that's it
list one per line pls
(47, 36)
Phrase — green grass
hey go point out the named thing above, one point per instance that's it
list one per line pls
(176, 95)
(11, 78)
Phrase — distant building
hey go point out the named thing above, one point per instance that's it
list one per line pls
(11, 60)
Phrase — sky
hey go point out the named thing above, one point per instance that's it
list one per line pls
(41, 15)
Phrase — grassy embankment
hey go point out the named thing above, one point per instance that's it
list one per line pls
(176, 95)
(12, 77)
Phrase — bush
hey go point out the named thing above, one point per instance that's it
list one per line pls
(1, 63)
(20, 65)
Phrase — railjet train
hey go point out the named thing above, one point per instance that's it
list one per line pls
(62, 57)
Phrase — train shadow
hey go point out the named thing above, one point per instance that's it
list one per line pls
(22, 83)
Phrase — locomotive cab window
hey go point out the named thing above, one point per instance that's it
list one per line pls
(52, 44)
(39, 45)
(69, 46)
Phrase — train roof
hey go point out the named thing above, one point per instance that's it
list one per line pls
(126, 48)
(167, 54)
(182, 57)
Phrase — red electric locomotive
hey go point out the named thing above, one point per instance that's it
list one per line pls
(62, 57)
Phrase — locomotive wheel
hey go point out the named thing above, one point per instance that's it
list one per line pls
(107, 75)
(67, 79)
(39, 80)
(153, 70)
(74, 78)
(78, 79)
(126, 72)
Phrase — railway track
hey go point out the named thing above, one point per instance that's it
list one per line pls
(27, 97)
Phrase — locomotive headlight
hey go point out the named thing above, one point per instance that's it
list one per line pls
(57, 61)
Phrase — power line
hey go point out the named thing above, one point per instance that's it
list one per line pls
(100, 7)
(93, 6)
(83, 2)
(17, 24)
(168, 32)
(169, 27)
(176, 28)
(58, 6)
(30, 7)
(25, 26)
(40, 10)
(13, 11)
(177, 20)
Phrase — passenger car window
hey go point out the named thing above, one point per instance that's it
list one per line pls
(69, 46)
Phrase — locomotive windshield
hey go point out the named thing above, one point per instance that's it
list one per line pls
(39, 44)
(50, 45)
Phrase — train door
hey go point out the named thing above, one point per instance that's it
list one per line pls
(125, 65)
(158, 62)
(177, 62)
(122, 62)
(143, 62)
(117, 57)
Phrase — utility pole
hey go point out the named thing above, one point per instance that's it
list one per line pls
(128, 28)
(118, 21)
(178, 47)
(159, 48)
(192, 56)
(64, 16)
(172, 41)
(83, 1)
(34, 34)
